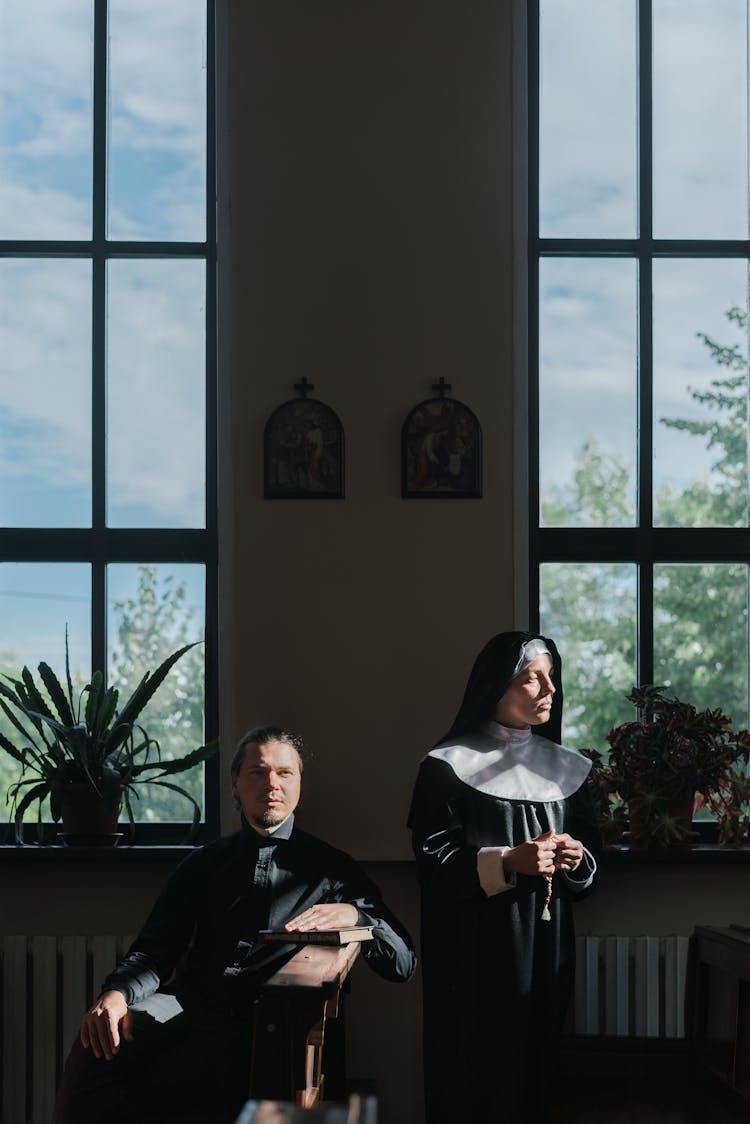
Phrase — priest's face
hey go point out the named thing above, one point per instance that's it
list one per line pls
(267, 783)
(528, 699)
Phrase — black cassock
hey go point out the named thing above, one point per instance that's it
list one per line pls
(496, 977)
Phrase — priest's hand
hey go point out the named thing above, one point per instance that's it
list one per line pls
(102, 1025)
(326, 915)
(569, 853)
(535, 856)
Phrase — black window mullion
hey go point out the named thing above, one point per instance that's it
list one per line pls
(98, 340)
(533, 56)
(211, 682)
(98, 617)
(645, 644)
(645, 376)
(645, 636)
(644, 63)
(98, 395)
(211, 705)
(100, 122)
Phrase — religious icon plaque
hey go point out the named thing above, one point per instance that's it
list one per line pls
(441, 449)
(303, 450)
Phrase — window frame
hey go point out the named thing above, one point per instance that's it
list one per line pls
(643, 545)
(100, 545)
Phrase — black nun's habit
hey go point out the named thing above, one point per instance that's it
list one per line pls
(497, 978)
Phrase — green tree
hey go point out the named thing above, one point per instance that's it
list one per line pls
(722, 500)
(700, 616)
(154, 622)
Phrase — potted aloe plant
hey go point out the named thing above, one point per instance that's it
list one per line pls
(667, 763)
(86, 752)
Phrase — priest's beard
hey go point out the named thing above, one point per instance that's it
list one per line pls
(270, 817)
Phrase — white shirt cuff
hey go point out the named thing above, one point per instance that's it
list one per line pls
(492, 876)
(583, 876)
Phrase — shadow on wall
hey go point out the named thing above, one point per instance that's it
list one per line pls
(384, 1021)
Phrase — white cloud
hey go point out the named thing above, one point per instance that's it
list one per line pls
(157, 106)
(588, 365)
(45, 389)
(156, 389)
(28, 212)
(156, 385)
(588, 118)
(700, 119)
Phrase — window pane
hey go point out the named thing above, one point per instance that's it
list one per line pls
(157, 106)
(156, 393)
(152, 610)
(700, 393)
(700, 635)
(37, 602)
(45, 393)
(45, 118)
(587, 119)
(700, 118)
(588, 392)
(589, 611)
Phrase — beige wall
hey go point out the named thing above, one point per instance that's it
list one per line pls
(370, 227)
(366, 242)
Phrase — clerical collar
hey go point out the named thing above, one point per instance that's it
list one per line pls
(513, 764)
(280, 831)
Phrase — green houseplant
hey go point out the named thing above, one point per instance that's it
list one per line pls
(72, 744)
(669, 761)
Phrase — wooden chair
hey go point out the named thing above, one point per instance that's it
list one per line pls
(290, 1024)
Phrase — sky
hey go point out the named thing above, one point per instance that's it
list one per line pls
(588, 309)
(155, 325)
(156, 310)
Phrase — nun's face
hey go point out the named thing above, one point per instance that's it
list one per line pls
(528, 699)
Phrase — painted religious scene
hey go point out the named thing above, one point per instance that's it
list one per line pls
(441, 451)
(304, 452)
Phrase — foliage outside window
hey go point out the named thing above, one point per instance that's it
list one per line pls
(639, 330)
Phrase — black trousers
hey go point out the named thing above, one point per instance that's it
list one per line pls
(180, 1066)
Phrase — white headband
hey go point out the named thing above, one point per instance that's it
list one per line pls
(530, 651)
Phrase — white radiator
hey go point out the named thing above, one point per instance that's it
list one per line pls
(47, 985)
(630, 987)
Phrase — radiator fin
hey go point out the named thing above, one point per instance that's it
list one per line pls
(47, 985)
(630, 986)
(14, 1029)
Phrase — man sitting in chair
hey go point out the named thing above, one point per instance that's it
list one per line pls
(171, 1029)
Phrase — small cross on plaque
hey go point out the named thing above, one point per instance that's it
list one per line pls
(441, 388)
(303, 388)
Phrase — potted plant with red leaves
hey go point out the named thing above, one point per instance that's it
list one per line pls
(668, 761)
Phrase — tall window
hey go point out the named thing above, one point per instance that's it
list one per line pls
(107, 355)
(639, 326)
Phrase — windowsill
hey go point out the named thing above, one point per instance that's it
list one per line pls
(622, 854)
(618, 854)
(36, 853)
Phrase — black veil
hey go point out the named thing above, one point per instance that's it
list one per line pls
(490, 678)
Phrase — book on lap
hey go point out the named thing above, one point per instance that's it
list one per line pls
(319, 936)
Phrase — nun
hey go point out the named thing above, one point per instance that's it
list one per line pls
(505, 839)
